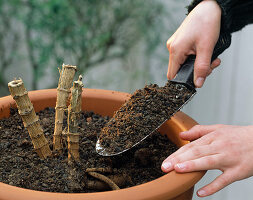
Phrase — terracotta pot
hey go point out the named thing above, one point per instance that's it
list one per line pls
(170, 186)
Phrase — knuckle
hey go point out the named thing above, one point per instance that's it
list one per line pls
(170, 40)
(202, 67)
(216, 133)
(213, 138)
(196, 152)
(244, 167)
(210, 161)
(206, 139)
(168, 43)
(191, 165)
(225, 180)
(187, 146)
(230, 144)
(196, 128)
(175, 160)
(173, 48)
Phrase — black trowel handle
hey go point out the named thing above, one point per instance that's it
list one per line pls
(185, 73)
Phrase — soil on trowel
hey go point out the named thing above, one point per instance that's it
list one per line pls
(143, 113)
(20, 165)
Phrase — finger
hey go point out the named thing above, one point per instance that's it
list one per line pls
(176, 59)
(220, 182)
(176, 157)
(203, 163)
(198, 131)
(202, 65)
(215, 63)
(175, 62)
(173, 67)
(205, 140)
(193, 153)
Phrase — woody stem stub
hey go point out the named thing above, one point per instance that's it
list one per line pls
(74, 110)
(67, 74)
(29, 117)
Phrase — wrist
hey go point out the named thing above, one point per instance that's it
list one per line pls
(224, 7)
(214, 4)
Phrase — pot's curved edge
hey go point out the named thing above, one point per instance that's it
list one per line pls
(48, 96)
(144, 191)
(183, 121)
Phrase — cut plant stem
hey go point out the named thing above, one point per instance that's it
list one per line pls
(104, 179)
(29, 117)
(74, 110)
(67, 74)
(119, 179)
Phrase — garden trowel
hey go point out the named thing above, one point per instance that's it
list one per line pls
(183, 90)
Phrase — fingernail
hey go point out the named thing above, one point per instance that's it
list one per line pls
(166, 165)
(202, 193)
(181, 165)
(200, 81)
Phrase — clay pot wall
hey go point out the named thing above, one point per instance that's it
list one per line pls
(170, 186)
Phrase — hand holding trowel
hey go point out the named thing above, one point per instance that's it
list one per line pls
(150, 107)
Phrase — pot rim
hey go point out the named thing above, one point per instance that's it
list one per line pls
(158, 188)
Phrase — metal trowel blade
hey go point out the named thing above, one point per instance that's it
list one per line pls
(108, 151)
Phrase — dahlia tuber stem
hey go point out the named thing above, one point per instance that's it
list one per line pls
(100, 169)
(66, 77)
(74, 110)
(104, 179)
(120, 180)
(29, 117)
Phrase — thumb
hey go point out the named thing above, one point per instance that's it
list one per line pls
(202, 65)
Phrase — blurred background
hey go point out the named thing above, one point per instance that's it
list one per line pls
(121, 45)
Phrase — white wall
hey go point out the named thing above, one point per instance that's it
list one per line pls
(227, 95)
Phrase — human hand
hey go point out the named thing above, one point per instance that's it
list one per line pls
(197, 35)
(224, 147)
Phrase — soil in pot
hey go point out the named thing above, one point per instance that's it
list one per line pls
(20, 166)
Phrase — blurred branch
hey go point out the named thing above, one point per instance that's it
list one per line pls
(85, 33)
(9, 40)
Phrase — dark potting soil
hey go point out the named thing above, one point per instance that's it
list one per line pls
(146, 110)
(20, 165)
